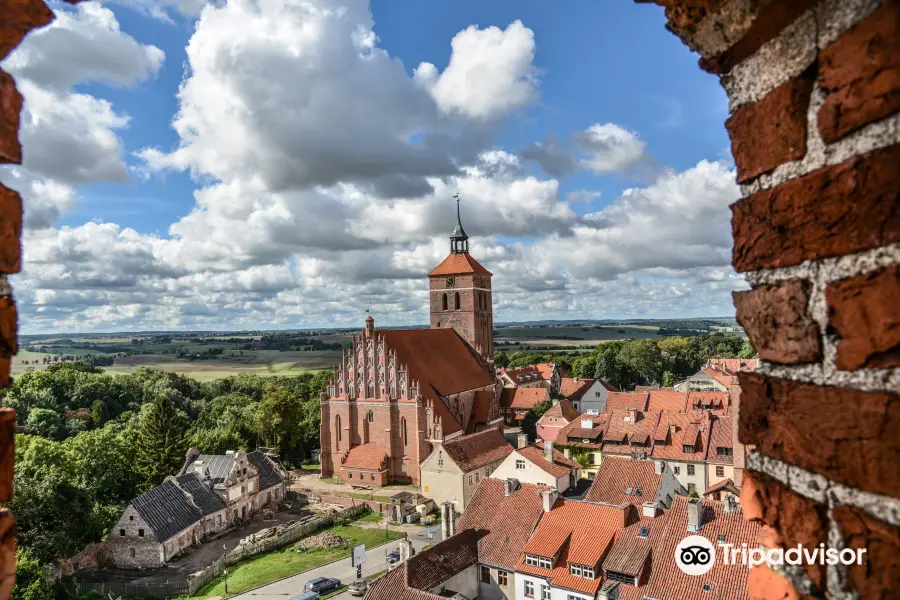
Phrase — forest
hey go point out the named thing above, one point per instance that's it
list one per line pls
(93, 441)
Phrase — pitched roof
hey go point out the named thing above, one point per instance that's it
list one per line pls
(667, 399)
(481, 410)
(563, 410)
(618, 475)
(574, 433)
(721, 435)
(523, 398)
(632, 549)
(560, 467)
(524, 375)
(434, 566)
(545, 369)
(626, 400)
(166, 510)
(622, 435)
(365, 456)
(459, 264)
(725, 484)
(505, 522)
(574, 388)
(716, 401)
(723, 378)
(676, 430)
(581, 533)
(269, 475)
(734, 365)
(207, 500)
(392, 586)
(476, 450)
(216, 466)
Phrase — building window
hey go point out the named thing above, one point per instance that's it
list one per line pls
(131, 552)
(593, 458)
(404, 433)
(720, 471)
(443, 301)
(411, 393)
(350, 475)
(477, 477)
(544, 562)
(131, 517)
(531, 560)
(122, 532)
(529, 586)
(337, 427)
(456, 303)
(587, 572)
(722, 451)
(470, 480)
(596, 394)
(440, 459)
(485, 574)
(571, 597)
(373, 476)
(688, 449)
(140, 533)
(520, 465)
(575, 570)
(676, 470)
(370, 417)
(502, 578)
(690, 469)
(545, 592)
(620, 577)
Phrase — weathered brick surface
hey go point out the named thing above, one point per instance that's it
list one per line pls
(765, 584)
(861, 73)
(10, 230)
(849, 436)
(832, 211)
(795, 518)
(776, 321)
(20, 17)
(10, 107)
(771, 20)
(8, 326)
(685, 15)
(7, 451)
(7, 553)
(771, 131)
(879, 577)
(864, 312)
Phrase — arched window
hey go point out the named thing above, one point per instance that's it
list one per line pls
(370, 417)
(443, 301)
(337, 428)
(371, 390)
(404, 433)
(456, 304)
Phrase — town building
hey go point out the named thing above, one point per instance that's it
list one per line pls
(453, 470)
(681, 440)
(398, 393)
(515, 402)
(720, 456)
(585, 435)
(540, 464)
(211, 493)
(634, 481)
(558, 416)
(586, 395)
(546, 375)
(717, 375)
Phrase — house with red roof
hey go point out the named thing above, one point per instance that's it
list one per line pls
(547, 375)
(720, 456)
(454, 469)
(551, 422)
(681, 440)
(540, 464)
(515, 402)
(586, 395)
(634, 481)
(717, 375)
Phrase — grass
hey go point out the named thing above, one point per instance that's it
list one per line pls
(266, 568)
(310, 467)
(370, 517)
(363, 496)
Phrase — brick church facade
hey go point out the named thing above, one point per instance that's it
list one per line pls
(396, 393)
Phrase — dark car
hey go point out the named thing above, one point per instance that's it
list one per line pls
(394, 557)
(307, 596)
(358, 587)
(322, 584)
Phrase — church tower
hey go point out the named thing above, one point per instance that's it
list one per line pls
(460, 294)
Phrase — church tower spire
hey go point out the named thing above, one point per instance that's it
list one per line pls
(459, 241)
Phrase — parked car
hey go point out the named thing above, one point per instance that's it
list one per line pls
(307, 596)
(358, 587)
(394, 557)
(322, 584)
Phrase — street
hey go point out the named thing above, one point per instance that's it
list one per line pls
(376, 561)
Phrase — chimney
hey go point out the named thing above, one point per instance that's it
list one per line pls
(198, 467)
(632, 416)
(405, 549)
(370, 326)
(659, 467)
(521, 440)
(452, 527)
(650, 509)
(731, 504)
(609, 591)
(548, 452)
(549, 497)
(446, 509)
(509, 486)
(587, 424)
(695, 515)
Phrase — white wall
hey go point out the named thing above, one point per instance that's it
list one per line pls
(698, 478)
(591, 401)
(555, 593)
(530, 474)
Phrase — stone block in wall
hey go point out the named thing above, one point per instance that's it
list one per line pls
(861, 73)
(833, 211)
(776, 320)
(850, 436)
(878, 578)
(864, 312)
(795, 518)
(10, 107)
(10, 229)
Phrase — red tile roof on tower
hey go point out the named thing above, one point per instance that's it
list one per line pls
(459, 264)
(366, 456)
(626, 400)
(617, 475)
(667, 399)
(721, 436)
(523, 398)
(574, 388)
(474, 451)
(578, 532)
(504, 522)
(560, 467)
(677, 430)
(562, 410)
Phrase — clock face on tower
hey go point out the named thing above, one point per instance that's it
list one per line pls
(451, 282)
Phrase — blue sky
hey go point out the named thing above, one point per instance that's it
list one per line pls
(235, 218)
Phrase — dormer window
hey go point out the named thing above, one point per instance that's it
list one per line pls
(688, 448)
(581, 571)
(723, 451)
(538, 561)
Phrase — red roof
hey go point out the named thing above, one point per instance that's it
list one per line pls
(734, 365)
(624, 437)
(617, 475)
(574, 388)
(474, 451)
(560, 467)
(505, 522)
(365, 456)
(579, 533)
(721, 436)
(545, 369)
(562, 410)
(574, 433)
(725, 484)
(723, 378)
(625, 400)
(667, 399)
(481, 410)
(715, 401)
(523, 398)
(459, 264)
(676, 430)
(524, 375)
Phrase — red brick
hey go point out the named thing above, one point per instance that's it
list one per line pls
(797, 519)
(10, 230)
(776, 321)
(7, 553)
(8, 326)
(5, 363)
(770, 21)
(832, 211)
(20, 17)
(10, 107)
(861, 73)
(864, 312)
(7, 451)
(878, 578)
(849, 436)
(765, 584)
(685, 15)
(771, 131)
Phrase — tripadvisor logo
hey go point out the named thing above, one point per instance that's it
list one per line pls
(695, 555)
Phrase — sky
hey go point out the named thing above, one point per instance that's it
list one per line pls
(287, 164)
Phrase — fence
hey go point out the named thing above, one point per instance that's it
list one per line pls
(196, 580)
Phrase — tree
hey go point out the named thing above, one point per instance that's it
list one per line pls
(668, 379)
(46, 423)
(534, 414)
(279, 419)
(645, 358)
(161, 441)
(747, 350)
(31, 579)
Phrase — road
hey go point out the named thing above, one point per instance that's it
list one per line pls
(376, 561)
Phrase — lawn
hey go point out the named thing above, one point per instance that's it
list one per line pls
(270, 567)
(370, 517)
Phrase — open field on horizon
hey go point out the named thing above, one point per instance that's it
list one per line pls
(587, 335)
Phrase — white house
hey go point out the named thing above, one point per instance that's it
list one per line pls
(586, 394)
(540, 464)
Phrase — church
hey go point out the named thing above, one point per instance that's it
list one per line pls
(397, 393)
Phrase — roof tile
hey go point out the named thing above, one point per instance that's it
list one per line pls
(476, 450)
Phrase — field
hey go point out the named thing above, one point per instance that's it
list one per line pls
(586, 335)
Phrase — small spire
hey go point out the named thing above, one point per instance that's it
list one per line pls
(459, 241)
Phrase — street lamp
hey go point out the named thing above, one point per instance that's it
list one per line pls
(224, 554)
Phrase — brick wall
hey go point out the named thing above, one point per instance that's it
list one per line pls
(814, 93)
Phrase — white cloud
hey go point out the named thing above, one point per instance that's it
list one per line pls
(44, 200)
(490, 74)
(164, 10)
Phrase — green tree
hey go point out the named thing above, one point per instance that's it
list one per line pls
(668, 379)
(46, 423)
(644, 358)
(31, 580)
(534, 414)
(747, 350)
(161, 440)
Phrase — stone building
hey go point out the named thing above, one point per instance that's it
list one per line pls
(397, 393)
(210, 494)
